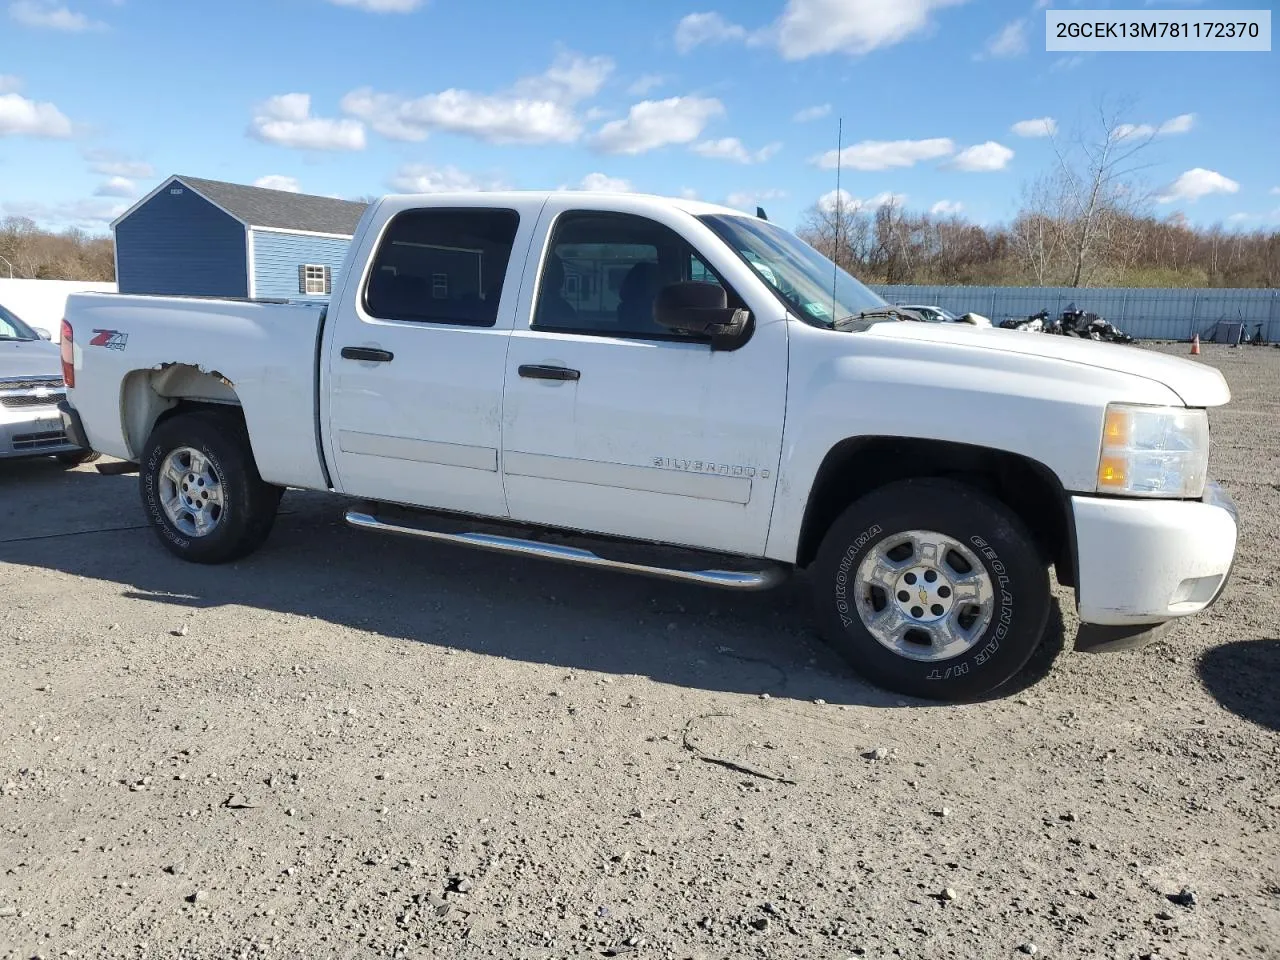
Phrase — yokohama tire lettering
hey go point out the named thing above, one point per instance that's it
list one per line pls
(842, 572)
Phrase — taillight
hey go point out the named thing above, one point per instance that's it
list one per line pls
(68, 355)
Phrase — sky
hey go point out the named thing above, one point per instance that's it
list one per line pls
(946, 104)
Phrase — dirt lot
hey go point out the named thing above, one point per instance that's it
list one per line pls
(353, 746)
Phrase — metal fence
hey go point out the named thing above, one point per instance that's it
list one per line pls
(1148, 314)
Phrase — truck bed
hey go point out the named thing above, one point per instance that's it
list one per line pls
(162, 349)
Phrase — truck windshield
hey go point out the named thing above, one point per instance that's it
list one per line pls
(801, 276)
(11, 328)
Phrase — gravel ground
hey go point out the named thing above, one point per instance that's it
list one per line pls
(354, 746)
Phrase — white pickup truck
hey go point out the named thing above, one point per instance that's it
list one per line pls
(674, 388)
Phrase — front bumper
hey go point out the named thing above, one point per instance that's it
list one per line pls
(1143, 562)
(32, 431)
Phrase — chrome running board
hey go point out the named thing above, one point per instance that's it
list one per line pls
(761, 579)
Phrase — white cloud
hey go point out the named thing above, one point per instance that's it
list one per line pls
(656, 123)
(946, 208)
(888, 197)
(494, 119)
(811, 27)
(277, 181)
(886, 154)
(424, 178)
(113, 165)
(20, 117)
(1182, 123)
(851, 204)
(982, 157)
(645, 83)
(603, 183)
(47, 15)
(847, 201)
(750, 199)
(689, 193)
(731, 148)
(537, 109)
(1129, 131)
(384, 113)
(1240, 217)
(10, 83)
(809, 114)
(286, 120)
(1011, 41)
(1039, 127)
(117, 187)
(1274, 191)
(699, 28)
(91, 213)
(570, 78)
(1066, 63)
(1197, 183)
(381, 6)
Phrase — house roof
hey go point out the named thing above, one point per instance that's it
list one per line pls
(260, 207)
(268, 209)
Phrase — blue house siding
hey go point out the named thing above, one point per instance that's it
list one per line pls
(180, 244)
(277, 256)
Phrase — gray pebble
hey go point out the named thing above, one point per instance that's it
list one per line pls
(1029, 948)
(8, 911)
(1185, 897)
(879, 753)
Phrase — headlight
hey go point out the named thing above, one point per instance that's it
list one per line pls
(1154, 452)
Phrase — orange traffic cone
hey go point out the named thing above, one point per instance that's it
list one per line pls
(1195, 345)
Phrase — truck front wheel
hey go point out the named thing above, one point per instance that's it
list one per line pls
(201, 488)
(932, 589)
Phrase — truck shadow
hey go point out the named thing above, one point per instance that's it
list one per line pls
(314, 565)
(1243, 677)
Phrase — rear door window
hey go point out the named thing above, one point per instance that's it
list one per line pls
(441, 265)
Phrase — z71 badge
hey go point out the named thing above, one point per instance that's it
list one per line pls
(111, 339)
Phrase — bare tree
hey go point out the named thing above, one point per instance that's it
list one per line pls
(1096, 185)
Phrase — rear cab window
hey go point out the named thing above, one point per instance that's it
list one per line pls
(442, 265)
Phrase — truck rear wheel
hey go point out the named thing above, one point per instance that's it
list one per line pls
(202, 490)
(932, 589)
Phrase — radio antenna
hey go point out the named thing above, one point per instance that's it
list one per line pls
(835, 257)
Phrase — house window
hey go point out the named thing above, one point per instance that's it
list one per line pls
(314, 280)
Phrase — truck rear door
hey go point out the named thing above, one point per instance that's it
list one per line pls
(416, 351)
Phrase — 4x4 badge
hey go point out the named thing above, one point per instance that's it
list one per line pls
(111, 339)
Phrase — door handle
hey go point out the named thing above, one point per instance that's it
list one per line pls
(542, 371)
(367, 353)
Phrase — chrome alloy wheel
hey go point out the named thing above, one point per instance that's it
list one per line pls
(191, 492)
(924, 595)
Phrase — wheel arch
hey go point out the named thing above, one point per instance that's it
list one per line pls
(858, 465)
(150, 396)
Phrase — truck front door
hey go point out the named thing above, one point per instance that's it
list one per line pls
(615, 425)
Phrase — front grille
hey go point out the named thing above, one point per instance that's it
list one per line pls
(39, 441)
(32, 391)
